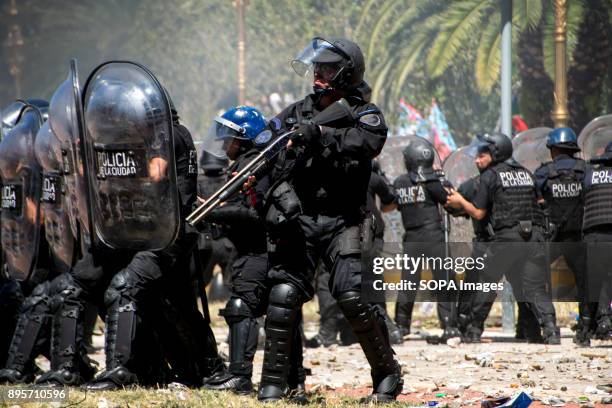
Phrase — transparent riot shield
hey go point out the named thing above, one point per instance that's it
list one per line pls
(53, 199)
(529, 148)
(595, 137)
(130, 163)
(459, 167)
(21, 184)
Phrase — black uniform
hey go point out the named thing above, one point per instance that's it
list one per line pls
(330, 177)
(214, 246)
(332, 320)
(31, 335)
(507, 192)
(242, 224)
(149, 303)
(418, 201)
(560, 184)
(597, 227)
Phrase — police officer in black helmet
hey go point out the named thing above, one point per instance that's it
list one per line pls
(597, 229)
(420, 192)
(329, 169)
(559, 183)
(507, 195)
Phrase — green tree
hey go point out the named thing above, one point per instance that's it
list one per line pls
(439, 31)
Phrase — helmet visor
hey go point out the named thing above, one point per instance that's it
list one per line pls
(220, 135)
(320, 52)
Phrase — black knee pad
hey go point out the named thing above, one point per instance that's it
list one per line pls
(236, 310)
(64, 289)
(39, 298)
(121, 286)
(351, 304)
(284, 299)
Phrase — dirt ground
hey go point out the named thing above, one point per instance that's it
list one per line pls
(451, 375)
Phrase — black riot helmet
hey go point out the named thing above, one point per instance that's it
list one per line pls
(497, 144)
(339, 60)
(419, 155)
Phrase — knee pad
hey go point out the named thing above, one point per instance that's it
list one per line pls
(64, 289)
(236, 310)
(39, 300)
(121, 286)
(285, 299)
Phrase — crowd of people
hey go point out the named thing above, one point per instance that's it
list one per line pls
(98, 189)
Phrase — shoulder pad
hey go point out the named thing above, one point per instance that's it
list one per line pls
(371, 119)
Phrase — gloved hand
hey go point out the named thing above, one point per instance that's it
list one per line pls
(305, 134)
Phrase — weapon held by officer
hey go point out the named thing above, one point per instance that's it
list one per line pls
(333, 116)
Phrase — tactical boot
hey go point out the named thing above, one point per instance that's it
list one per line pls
(11, 376)
(371, 331)
(403, 317)
(450, 332)
(471, 334)
(604, 329)
(62, 378)
(115, 379)
(386, 387)
(297, 395)
(581, 337)
(241, 385)
(551, 333)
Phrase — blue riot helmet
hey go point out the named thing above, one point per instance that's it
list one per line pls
(243, 123)
(564, 138)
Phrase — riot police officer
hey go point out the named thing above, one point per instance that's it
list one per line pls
(507, 194)
(559, 185)
(597, 229)
(35, 254)
(240, 133)
(419, 194)
(328, 169)
(142, 181)
(332, 321)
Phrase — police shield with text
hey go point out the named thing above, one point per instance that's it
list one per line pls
(32, 336)
(327, 169)
(21, 182)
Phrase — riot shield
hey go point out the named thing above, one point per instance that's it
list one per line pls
(53, 199)
(595, 137)
(64, 123)
(130, 163)
(21, 184)
(9, 116)
(459, 167)
(529, 148)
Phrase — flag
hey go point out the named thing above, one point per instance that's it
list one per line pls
(440, 133)
(411, 121)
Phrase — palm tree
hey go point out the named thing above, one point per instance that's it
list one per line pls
(438, 31)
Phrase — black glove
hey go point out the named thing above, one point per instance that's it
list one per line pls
(305, 134)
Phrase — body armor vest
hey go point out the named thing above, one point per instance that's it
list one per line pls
(598, 197)
(416, 204)
(564, 196)
(515, 199)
